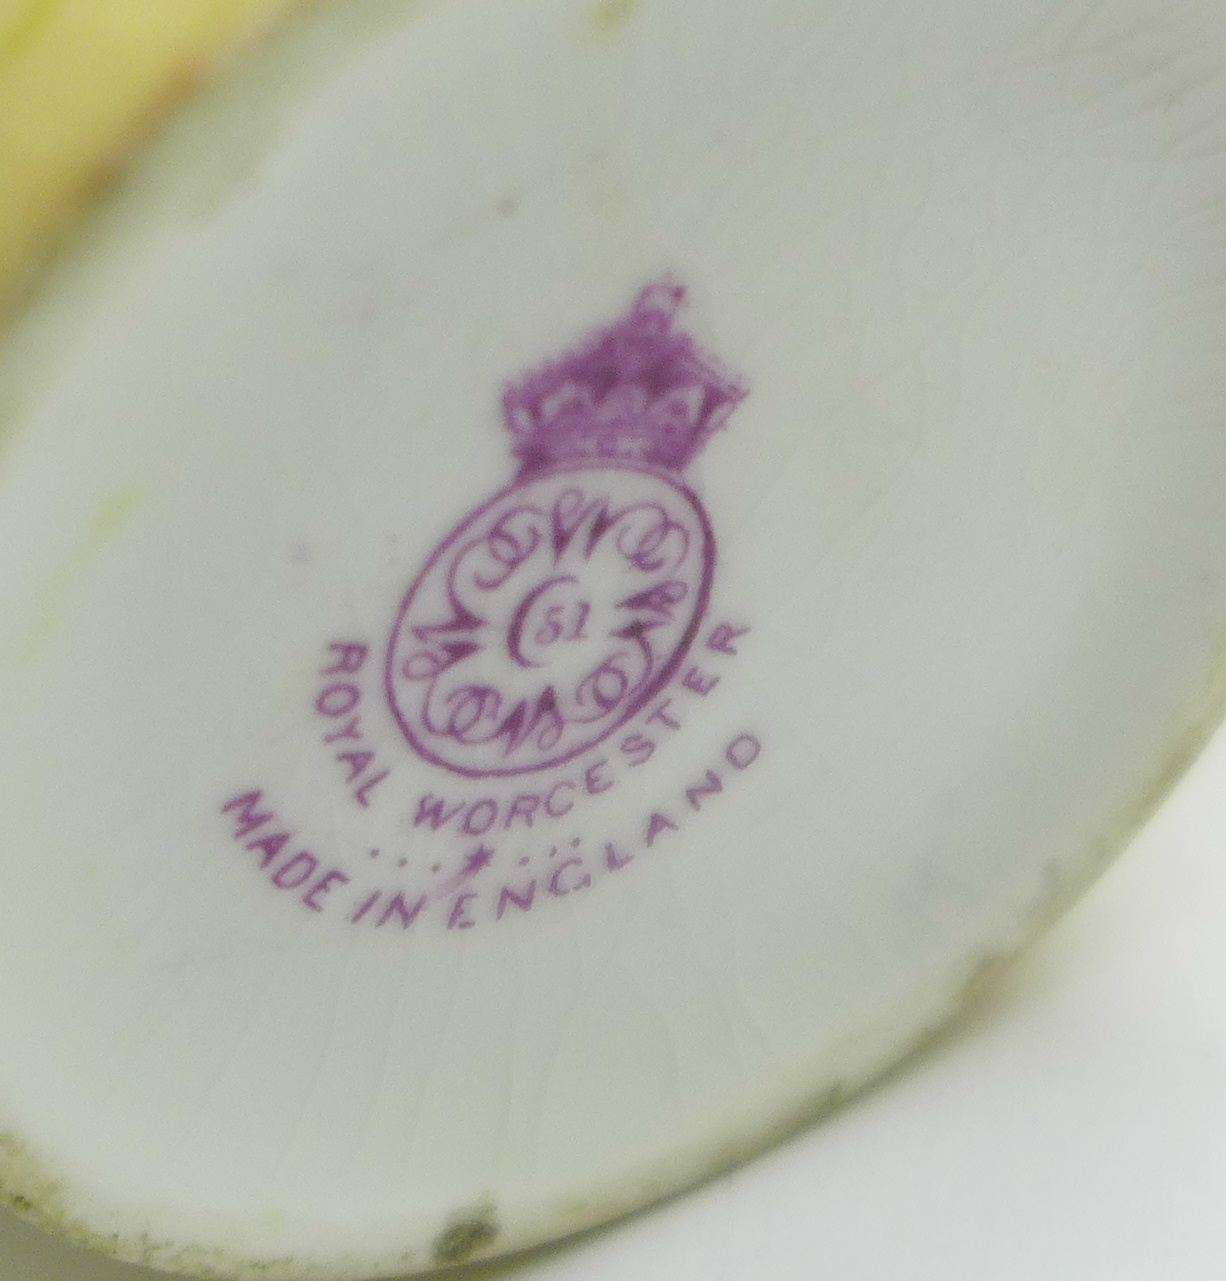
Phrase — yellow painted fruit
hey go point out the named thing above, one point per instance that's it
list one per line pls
(81, 83)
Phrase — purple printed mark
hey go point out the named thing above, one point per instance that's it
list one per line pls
(461, 897)
(287, 868)
(544, 800)
(338, 702)
(558, 608)
(528, 638)
(635, 392)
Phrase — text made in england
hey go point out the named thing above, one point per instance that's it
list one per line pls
(455, 897)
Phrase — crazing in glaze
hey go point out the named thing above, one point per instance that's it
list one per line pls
(540, 657)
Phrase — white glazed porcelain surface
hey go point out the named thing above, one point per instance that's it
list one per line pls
(1069, 1127)
(966, 609)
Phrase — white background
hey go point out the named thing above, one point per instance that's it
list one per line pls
(1072, 1127)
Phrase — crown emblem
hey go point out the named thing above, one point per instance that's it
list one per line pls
(636, 392)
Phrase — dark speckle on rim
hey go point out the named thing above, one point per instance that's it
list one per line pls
(468, 1233)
